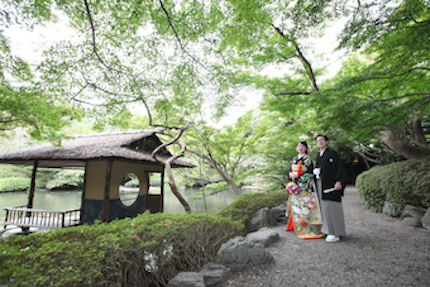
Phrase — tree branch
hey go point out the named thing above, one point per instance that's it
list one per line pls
(363, 155)
(93, 31)
(302, 58)
(179, 39)
(308, 68)
(175, 139)
(417, 133)
(401, 146)
(292, 93)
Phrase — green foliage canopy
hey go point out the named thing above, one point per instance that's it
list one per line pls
(381, 92)
(26, 103)
(387, 86)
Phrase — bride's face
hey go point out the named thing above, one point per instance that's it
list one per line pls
(301, 148)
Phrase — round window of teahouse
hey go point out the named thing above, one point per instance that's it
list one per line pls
(129, 189)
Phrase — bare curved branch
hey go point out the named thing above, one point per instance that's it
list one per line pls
(179, 39)
(292, 93)
(303, 59)
(93, 31)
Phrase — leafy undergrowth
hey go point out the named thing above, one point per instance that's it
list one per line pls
(147, 250)
(144, 251)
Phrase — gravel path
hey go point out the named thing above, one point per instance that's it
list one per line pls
(378, 251)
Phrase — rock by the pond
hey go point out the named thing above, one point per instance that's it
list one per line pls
(214, 274)
(412, 211)
(264, 237)
(240, 253)
(391, 209)
(263, 217)
(187, 279)
(280, 213)
(411, 221)
(425, 220)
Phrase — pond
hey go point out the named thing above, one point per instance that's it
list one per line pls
(71, 199)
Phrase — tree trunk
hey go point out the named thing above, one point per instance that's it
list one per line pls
(365, 159)
(417, 134)
(222, 172)
(174, 187)
(168, 163)
(400, 146)
(233, 186)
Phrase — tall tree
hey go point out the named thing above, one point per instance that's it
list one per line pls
(281, 35)
(386, 92)
(227, 151)
(384, 95)
(158, 54)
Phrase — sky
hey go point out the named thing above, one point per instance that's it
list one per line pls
(30, 44)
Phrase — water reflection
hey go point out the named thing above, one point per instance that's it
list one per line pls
(70, 200)
(209, 203)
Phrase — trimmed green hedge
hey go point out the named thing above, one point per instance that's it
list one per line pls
(14, 178)
(403, 183)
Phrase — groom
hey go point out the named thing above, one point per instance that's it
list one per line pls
(331, 187)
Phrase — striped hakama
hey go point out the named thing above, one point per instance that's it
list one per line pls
(332, 217)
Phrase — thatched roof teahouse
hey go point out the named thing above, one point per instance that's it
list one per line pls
(107, 158)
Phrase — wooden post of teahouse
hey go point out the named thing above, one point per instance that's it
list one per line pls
(162, 192)
(84, 193)
(106, 203)
(31, 193)
(33, 185)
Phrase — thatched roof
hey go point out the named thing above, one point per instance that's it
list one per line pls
(135, 146)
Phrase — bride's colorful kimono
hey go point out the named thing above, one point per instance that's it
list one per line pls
(305, 216)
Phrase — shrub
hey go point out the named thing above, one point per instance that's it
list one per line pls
(42, 179)
(155, 181)
(66, 178)
(403, 183)
(247, 204)
(10, 170)
(371, 193)
(147, 250)
(17, 178)
(14, 184)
